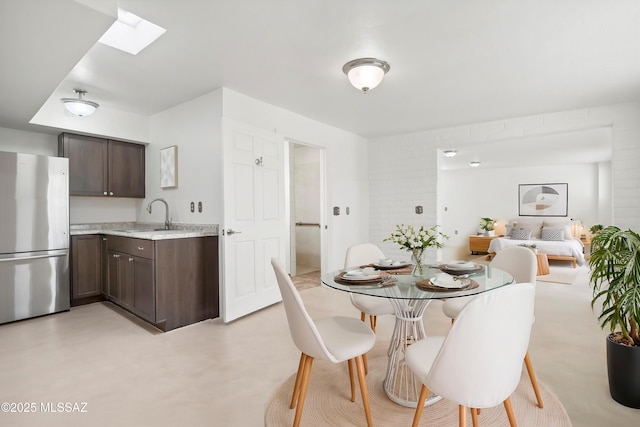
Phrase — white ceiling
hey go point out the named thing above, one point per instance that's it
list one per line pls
(452, 62)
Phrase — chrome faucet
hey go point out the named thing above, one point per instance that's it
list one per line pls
(167, 221)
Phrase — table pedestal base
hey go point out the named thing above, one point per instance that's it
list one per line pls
(401, 384)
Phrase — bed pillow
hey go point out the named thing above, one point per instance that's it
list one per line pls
(534, 227)
(565, 225)
(554, 234)
(521, 234)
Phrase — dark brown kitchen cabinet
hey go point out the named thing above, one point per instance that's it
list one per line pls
(103, 167)
(86, 269)
(169, 282)
(130, 276)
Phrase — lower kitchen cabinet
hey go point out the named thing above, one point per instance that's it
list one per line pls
(131, 283)
(86, 270)
(169, 283)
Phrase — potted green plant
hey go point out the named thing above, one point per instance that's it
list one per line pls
(615, 278)
(487, 225)
(595, 229)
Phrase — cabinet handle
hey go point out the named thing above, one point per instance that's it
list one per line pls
(140, 248)
(130, 259)
(105, 193)
(116, 256)
(111, 193)
(104, 239)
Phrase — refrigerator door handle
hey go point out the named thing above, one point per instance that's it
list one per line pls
(32, 255)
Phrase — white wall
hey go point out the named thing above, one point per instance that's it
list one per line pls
(19, 141)
(403, 169)
(195, 128)
(346, 168)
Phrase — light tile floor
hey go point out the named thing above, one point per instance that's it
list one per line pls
(212, 374)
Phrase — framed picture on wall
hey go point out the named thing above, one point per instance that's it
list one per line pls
(169, 167)
(543, 199)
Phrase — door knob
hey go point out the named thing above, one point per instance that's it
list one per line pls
(230, 232)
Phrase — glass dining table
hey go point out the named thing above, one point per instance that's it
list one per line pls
(410, 295)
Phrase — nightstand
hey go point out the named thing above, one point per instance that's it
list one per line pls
(480, 244)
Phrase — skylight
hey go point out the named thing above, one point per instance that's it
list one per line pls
(130, 33)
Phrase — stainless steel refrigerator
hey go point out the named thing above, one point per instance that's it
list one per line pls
(34, 235)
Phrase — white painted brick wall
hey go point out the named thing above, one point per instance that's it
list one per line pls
(403, 168)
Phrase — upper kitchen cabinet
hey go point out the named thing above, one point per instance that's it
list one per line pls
(103, 167)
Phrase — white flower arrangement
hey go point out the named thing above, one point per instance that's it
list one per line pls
(410, 239)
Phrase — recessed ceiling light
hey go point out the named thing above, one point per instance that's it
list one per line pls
(130, 33)
(474, 164)
(449, 153)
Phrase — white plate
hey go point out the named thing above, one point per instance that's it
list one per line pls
(391, 266)
(356, 278)
(443, 280)
(460, 265)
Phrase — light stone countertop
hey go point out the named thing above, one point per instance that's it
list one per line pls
(148, 231)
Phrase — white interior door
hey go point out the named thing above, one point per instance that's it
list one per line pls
(254, 228)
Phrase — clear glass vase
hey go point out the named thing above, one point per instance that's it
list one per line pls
(418, 261)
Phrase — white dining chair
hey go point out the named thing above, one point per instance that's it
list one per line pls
(521, 263)
(479, 363)
(363, 254)
(335, 339)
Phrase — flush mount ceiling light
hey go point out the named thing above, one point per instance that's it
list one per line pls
(78, 106)
(474, 164)
(449, 153)
(365, 73)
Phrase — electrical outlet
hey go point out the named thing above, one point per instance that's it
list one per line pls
(336, 210)
(193, 207)
(200, 207)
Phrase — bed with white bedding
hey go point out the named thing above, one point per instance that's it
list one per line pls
(565, 250)
(556, 238)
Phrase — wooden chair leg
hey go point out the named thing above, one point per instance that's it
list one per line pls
(474, 416)
(362, 315)
(366, 364)
(353, 385)
(462, 415)
(532, 377)
(509, 409)
(296, 387)
(304, 384)
(363, 390)
(420, 406)
(373, 321)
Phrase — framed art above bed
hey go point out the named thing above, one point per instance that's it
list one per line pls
(543, 199)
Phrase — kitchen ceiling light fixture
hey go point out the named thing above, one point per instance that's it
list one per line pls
(365, 73)
(449, 153)
(78, 106)
(474, 164)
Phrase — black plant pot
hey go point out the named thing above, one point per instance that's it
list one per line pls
(623, 367)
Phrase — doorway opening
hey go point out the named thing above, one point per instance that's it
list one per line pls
(305, 171)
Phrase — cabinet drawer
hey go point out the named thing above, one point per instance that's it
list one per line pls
(138, 247)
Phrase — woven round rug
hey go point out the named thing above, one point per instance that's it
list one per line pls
(328, 403)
